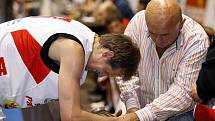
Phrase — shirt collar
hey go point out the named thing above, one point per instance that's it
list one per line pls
(147, 32)
(178, 42)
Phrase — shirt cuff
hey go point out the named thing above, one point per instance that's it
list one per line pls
(132, 103)
(145, 114)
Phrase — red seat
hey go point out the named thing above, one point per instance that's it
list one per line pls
(204, 113)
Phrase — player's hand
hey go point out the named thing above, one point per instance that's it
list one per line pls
(128, 117)
(118, 113)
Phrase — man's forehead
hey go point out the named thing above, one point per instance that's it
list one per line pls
(162, 29)
(159, 30)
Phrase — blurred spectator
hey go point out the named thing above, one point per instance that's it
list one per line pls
(18, 8)
(33, 12)
(21, 8)
(32, 7)
(2, 11)
(210, 14)
(63, 8)
(53, 7)
(105, 10)
(45, 7)
(133, 4)
(142, 4)
(88, 7)
(116, 25)
(124, 8)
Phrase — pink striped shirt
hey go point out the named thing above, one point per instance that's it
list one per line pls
(164, 83)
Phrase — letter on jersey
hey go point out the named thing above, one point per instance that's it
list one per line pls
(3, 70)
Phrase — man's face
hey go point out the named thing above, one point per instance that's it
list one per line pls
(164, 36)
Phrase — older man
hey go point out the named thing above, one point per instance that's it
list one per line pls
(173, 47)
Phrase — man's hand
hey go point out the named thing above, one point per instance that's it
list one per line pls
(193, 93)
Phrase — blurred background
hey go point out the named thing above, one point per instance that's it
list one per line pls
(98, 10)
(102, 16)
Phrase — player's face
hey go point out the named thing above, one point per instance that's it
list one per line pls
(101, 63)
(105, 69)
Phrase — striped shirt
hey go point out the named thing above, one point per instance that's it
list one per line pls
(164, 83)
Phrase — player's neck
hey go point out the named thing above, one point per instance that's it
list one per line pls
(91, 60)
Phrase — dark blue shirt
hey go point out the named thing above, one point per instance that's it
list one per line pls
(124, 8)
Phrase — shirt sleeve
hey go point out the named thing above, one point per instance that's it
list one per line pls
(177, 99)
(134, 29)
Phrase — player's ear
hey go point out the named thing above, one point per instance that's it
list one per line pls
(108, 54)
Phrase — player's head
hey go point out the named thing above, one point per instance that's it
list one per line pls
(117, 55)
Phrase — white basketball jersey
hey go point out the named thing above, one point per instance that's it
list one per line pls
(27, 75)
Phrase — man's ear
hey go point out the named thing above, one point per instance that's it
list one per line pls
(108, 54)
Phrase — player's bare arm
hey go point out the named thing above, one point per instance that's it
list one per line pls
(70, 56)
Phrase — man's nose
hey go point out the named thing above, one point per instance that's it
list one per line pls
(158, 37)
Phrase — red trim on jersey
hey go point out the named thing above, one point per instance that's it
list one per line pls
(29, 50)
(54, 17)
(61, 18)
